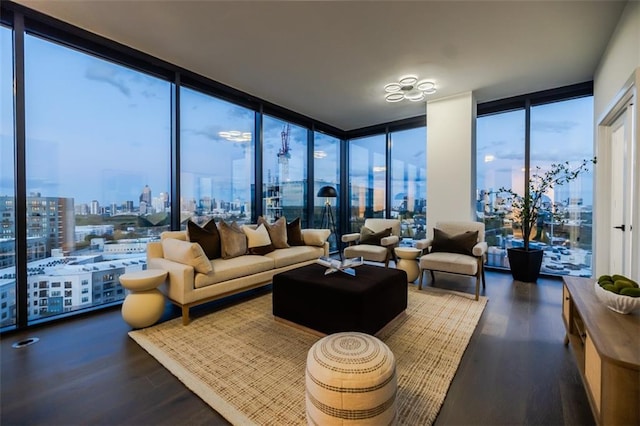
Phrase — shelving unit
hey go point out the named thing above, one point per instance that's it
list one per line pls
(606, 346)
(272, 202)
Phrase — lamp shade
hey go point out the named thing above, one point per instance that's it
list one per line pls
(327, 191)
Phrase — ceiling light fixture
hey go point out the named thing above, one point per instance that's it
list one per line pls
(235, 136)
(408, 87)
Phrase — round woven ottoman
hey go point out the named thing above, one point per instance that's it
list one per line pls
(350, 380)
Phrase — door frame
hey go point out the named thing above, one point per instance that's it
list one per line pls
(625, 101)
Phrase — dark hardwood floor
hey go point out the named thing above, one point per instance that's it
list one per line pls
(87, 371)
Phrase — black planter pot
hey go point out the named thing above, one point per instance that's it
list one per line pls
(525, 265)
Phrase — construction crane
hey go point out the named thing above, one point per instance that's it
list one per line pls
(284, 153)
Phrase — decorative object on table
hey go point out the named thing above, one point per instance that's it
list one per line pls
(525, 262)
(375, 241)
(334, 265)
(351, 376)
(144, 304)
(457, 247)
(618, 293)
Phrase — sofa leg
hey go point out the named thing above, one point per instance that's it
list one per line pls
(422, 271)
(185, 315)
(478, 286)
(433, 277)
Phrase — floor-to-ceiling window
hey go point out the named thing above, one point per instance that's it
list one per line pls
(7, 183)
(367, 179)
(216, 159)
(563, 131)
(284, 170)
(326, 161)
(98, 175)
(409, 181)
(499, 163)
(559, 131)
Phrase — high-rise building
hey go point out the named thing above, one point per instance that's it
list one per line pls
(146, 195)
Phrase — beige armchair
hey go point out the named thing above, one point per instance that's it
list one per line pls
(455, 252)
(365, 243)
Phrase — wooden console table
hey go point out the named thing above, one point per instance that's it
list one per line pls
(606, 346)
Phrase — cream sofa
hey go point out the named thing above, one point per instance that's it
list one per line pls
(193, 279)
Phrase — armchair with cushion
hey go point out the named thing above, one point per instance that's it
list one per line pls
(375, 241)
(456, 248)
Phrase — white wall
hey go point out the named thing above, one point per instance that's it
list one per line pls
(619, 61)
(451, 167)
(619, 68)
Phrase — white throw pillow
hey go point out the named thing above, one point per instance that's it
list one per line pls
(315, 237)
(258, 240)
(257, 237)
(187, 253)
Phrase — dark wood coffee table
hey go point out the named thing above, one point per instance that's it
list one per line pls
(339, 302)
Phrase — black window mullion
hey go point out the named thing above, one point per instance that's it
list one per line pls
(310, 186)
(175, 153)
(258, 141)
(22, 308)
(387, 175)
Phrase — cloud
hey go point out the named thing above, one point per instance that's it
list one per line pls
(109, 75)
(548, 126)
(209, 132)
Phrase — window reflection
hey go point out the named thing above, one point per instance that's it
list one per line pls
(7, 197)
(284, 165)
(409, 181)
(98, 174)
(560, 131)
(367, 177)
(326, 159)
(216, 159)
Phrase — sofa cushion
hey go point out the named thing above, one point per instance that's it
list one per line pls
(368, 251)
(187, 253)
(237, 267)
(233, 240)
(294, 233)
(461, 243)
(293, 255)
(315, 237)
(207, 236)
(450, 262)
(258, 241)
(277, 231)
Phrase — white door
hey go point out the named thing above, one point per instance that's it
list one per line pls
(621, 196)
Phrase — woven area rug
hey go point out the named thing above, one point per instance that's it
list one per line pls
(250, 368)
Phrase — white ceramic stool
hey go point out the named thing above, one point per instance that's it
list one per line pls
(144, 303)
(407, 261)
(350, 380)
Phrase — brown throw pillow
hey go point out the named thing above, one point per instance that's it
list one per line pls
(277, 231)
(368, 236)
(294, 233)
(461, 243)
(233, 240)
(207, 236)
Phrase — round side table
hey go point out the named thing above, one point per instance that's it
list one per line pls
(407, 261)
(144, 303)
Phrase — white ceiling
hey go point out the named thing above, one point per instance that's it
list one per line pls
(330, 60)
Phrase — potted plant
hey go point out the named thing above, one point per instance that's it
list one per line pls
(530, 210)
